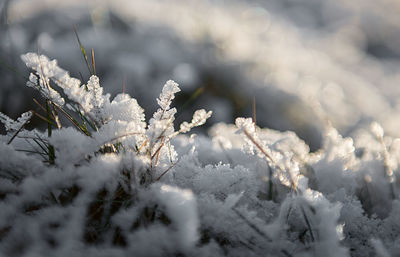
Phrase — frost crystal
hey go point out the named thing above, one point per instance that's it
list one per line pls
(45, 70)
(89, 98)
(245, 124)
(160, 127)
(161, 130)
(199, 118)
(43, 66)
(43, 86)
(377, 130)
(247, 127)
(12, 125)
(168, 94)
(162, 121)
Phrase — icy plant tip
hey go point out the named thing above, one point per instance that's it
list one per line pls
(248, 128)
(199, 118)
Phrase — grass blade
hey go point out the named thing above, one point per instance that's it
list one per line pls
(83, 51)
(93, 63)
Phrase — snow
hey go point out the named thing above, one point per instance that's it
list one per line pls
(182, 208)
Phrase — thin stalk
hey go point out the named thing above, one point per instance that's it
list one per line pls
(254, 113)
(191, 99)
(39, 105)
(83, 51)
(86, 112)
(157, 152)
(55, 115)
(17, 132)
(44, 155)
(30, 151)
(123, 85)
(140, 148)
(93, 63)
(84, 119)
(307, 223)
(43, 118)
(49, 131)
(70, 118)
(270, 184)
(44, 148)
(252, 139)
(252, 226)
(169, 168)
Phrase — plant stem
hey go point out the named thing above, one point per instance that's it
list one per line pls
(49, 130)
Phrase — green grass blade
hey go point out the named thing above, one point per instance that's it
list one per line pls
(83, 52)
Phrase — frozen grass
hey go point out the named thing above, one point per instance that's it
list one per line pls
(101, 181)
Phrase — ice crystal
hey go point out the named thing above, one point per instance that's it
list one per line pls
(167, 95)
(12, 125)
(199, 118)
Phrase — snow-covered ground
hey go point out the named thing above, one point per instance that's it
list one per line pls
(120, 181)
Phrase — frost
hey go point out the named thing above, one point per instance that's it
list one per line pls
(377, 130)
(161, 125)
(167, 95)
(246, 124)
(13, 126)
(160, 129)
(68, 138)
(45, 70)
(199, 118)
(88, 97)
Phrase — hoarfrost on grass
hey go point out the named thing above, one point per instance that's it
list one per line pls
(111, 184)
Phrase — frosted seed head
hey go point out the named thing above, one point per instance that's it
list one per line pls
(245, 124)
(200, 117)
(168, 94)
(185, 127)
(377, 130)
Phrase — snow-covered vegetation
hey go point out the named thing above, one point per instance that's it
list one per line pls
(86, 170)
(111, 184)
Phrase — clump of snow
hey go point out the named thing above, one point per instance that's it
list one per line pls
(182, 208)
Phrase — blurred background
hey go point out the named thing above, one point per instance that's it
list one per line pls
(307, 63)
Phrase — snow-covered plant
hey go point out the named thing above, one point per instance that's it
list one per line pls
(107, 140)
(116, 125)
